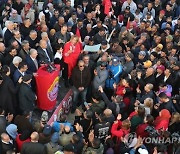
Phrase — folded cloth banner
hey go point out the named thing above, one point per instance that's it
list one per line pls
(47, 88)
(94, 48)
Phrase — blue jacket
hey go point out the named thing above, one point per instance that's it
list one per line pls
(114, 75)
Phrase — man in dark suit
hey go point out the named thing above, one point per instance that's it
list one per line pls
(33, 147)
(25, 50)
(26, 96)
(8, 33)
(44, 55)
(6, 144)
(32, 62)
(20, 72)
(86, 7)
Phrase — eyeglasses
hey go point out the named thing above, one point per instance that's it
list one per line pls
(81, 65)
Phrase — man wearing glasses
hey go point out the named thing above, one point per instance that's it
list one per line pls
(81, 78)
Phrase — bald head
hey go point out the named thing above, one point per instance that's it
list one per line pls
(5, 137)
(107, 112)
(34, 137)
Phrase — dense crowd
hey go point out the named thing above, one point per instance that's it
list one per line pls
(126, 94)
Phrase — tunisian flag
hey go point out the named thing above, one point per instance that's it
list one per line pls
(72, 58)
(107, 5)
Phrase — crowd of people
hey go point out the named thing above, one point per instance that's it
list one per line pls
(126, 92)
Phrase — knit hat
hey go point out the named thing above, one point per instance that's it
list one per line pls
(161, 67)
(55, 137)
(160, 46)
(147, 64)
(12, 130)
(47, 130)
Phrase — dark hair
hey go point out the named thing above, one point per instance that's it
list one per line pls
(76, 138)
(89, 114)
(58, 46)
(10, 48)
(1, 110)
(62, 118)
(96, 96)
(21, 65)
(162, 84)
(5, 69)
(150, 119)
(79, 20)
(163, 95)
(141, 111)
(96, 143)
(110, 143)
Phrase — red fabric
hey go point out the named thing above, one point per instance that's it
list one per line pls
(162, 125)
(107, 6)
(132, 115)
(71, 60)
(118, 133)
(119, 90)
(78, 32)
(20, 143)
(140, 130)
(162, 121)
(47, 88)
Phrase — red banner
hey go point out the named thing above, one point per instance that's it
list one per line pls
(47, 88)
(64, 107)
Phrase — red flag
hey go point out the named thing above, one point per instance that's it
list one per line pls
(107, 5)
(78, 32)
(128, 23)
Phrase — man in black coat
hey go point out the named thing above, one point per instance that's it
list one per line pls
(33, 147)
(6, 144)
(26, 96)
(8, 33)
(147, 78)
(117, 105)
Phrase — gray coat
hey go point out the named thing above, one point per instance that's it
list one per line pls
(100, 79)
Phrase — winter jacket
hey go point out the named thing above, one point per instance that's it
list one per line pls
(81, 78)
(114, 75)
(99, 80)
(98, 107)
